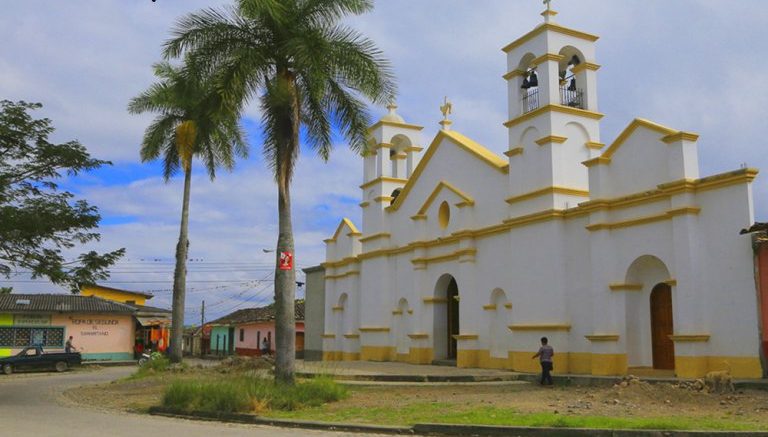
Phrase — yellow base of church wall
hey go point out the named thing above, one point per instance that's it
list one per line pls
(697, 367)
(340, 356)
(481, 359)
(583, 363)
(378, 353)
(420, 355)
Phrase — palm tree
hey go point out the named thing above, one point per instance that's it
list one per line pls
(309, 74)
(193, 120)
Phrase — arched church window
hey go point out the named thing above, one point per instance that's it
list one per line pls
(394, 195)
(444, 215)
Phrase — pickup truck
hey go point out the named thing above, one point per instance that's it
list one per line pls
(33, 358)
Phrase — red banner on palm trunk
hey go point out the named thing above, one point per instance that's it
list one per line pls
(286, 261)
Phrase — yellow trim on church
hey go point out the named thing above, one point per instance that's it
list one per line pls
(631, 128)
(344, 222)
(547, 57)
(689, 338)
(549, 27)
(666, 215)
(540, 327)
(381, 179)
(514, 151)
(466, 199)
(680, 136)
(551, 139)
(625, 287)
(375, 236)
(465, 143)
(585, 66)
(552, 107)
(548, 190)
(394, 124)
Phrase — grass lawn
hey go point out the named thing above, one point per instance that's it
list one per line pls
(250, 390)
(442, 412)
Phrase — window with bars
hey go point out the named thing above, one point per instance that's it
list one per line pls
(23, 337)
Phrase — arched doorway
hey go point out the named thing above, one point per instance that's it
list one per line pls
(446, 318)
(662, 327)
(453, 317)
(643, 305)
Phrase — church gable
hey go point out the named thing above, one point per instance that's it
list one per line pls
(643, 156)
(455, 170)
(345, 241)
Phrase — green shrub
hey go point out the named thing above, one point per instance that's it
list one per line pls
(235, 394)
(182, 395)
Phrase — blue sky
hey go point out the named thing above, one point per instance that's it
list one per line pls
(695, 65)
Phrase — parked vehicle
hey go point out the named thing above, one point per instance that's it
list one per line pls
(34, 358)
(148, 356)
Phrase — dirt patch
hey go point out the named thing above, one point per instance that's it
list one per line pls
(633, 399)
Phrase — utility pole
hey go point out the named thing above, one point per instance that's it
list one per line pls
(202, 315)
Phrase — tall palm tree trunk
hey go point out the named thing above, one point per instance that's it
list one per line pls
(180, 273)
(285, 280)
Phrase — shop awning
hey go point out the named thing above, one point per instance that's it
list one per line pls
(153, 321)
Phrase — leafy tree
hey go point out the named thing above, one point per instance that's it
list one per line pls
(39, 221)
(192, 120)
(309, 73)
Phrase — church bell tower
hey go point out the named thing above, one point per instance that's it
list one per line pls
(553, 116)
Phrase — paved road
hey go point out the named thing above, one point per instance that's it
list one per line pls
(32, 405)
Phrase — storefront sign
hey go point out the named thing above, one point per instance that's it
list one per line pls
(31, 320)
(286, 261)
(98, 327)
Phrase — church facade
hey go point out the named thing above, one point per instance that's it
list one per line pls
(622, 254)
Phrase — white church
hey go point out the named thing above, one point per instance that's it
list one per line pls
(620, 253)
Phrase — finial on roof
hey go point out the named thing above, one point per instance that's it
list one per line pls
(446, 108)
(549, 13)
(392, 115)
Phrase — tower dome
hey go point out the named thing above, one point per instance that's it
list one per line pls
(392, 115)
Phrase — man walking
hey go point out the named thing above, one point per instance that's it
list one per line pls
(69, 347)
(545, 354)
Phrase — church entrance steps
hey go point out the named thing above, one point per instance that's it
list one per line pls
(448, 363)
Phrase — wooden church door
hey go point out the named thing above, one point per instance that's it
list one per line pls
(662, 327)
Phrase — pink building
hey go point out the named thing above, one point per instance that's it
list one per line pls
(101, 329)
(249, 327)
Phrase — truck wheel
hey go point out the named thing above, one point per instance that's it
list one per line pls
(7, 369)
(61, 366)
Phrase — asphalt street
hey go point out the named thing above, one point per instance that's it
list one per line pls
(32, 405)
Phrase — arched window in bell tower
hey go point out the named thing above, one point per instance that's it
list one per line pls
(572, 85)
(398, 154)
(529, 89)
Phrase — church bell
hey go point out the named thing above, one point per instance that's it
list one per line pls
(533, 80)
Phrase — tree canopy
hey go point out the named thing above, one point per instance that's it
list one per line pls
(39, 222)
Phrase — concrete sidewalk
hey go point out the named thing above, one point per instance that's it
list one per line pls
(404, 372)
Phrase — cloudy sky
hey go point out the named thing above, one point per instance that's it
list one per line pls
(694, 65)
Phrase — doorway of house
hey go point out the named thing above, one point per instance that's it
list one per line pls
(662, 327)
(453, 317)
